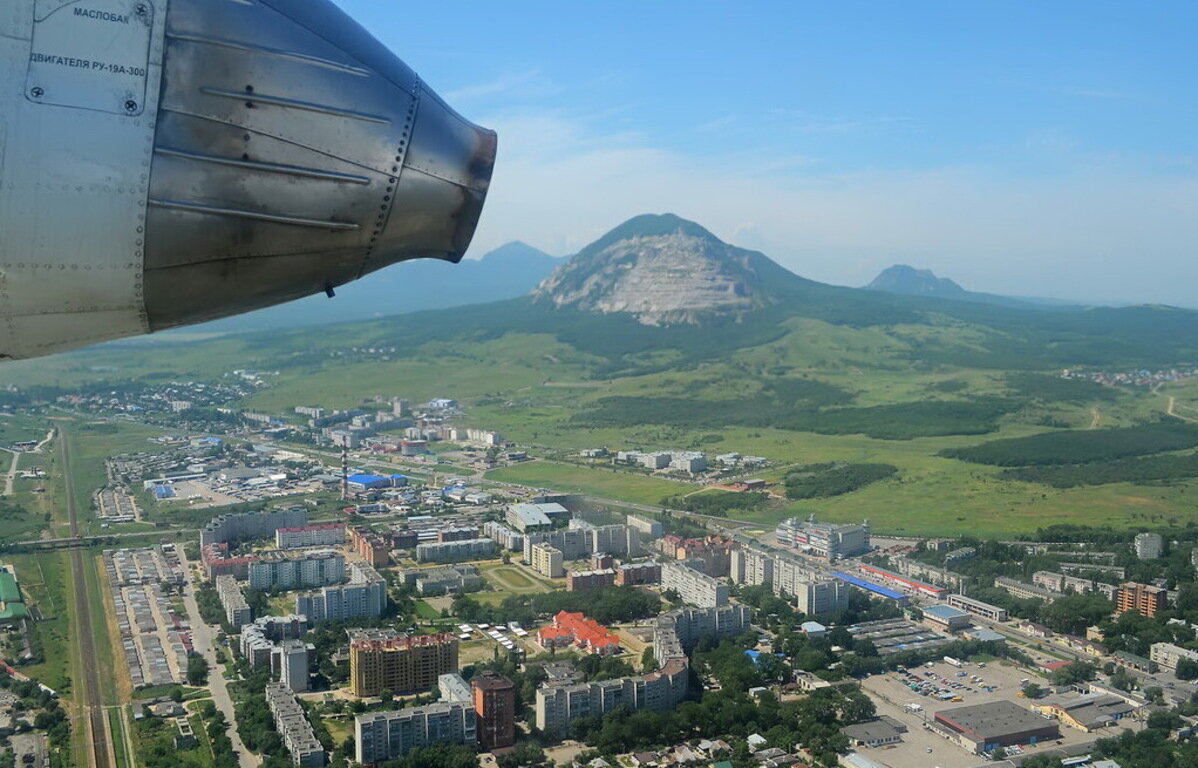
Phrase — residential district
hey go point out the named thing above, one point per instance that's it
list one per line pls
(351, 596)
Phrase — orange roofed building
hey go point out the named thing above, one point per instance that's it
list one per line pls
(576, 629)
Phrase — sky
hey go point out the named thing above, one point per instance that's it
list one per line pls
(1023, 148)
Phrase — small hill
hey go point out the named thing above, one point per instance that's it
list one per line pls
(909, 281)
(664, 270)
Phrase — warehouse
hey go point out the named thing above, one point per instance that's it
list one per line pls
(981, 728)
(902, 582)
(869, 586)
(946, 617)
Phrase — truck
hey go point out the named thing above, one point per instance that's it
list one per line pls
(954, 662)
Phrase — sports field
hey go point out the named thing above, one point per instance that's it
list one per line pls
(512, 579)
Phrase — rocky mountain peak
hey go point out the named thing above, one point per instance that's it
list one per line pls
(664, 270)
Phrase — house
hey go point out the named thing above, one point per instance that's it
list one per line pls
(873, 733)
(756, 741)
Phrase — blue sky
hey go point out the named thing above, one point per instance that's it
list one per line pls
(1021, 148)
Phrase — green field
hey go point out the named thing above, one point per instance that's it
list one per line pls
(426, 611)
(511, 579)
(605, 483)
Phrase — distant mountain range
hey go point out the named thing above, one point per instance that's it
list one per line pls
(507, 272)
(909, 281)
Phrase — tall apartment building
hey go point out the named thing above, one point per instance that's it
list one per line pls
(455, 551)
(251, 525)
(821, 595)
(635, 574)
(752, 567)
(292, 662)
(310, 569)
(364, 595)
(382, 660)
(383, 736)
(1149, 546)
(507, 538)
(1146, 599)
(613, 539)
(824, 539)
(712, 555)
(293, 726)
(692, 586)
(237, 610)
(573, 542)
(260, 638)
(330, 535)
(679, 631)
(547, 560)
(375, 549)
(650, 529)
(495, 710)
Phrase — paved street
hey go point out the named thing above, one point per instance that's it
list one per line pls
(204, 639)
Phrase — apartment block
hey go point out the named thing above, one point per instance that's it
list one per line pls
(1024, 591)
(693, 587)
(1167, 654)
(443, 580)
(505, 537)
(383, 660)
(650, 529)
(374, 548)
(1146, 599)
(635, 574)
(580, 580)
(455, 551)
(330, 535)
(293, 726)
(364, 595)
(237, 610)
(383, 736)
(547, 560)
(752, 567)
(495, 710)
(251, 525)
(1149, 546)
(277, 570)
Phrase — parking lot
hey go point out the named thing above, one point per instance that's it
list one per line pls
(893, 696)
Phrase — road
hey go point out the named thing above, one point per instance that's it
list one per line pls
(11, 476)
(203, 638)
(92, 700)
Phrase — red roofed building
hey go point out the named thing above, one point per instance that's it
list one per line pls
(576, 629)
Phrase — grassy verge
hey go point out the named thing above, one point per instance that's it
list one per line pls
(116, 726)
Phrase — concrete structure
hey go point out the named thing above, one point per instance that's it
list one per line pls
(293, 727)
(330, 535)
(1167, 654)
(455, 551)
(218, 562)
(251, 525)
(635, 574)
(981, 728)
(675, 633)
(382, 736)
(259, 639)
(752, 567)
(443, 580)
(1149, 546)
(692, 586)
(495, 710)
(526, 518)
(977, 607)
(902, 583)
(292, 664)
(237, 610)
(650, 529)
(1024, 591)
(374, 548)
(1146, 599)
(618, 540)
(364, 595)
(818, 594)
(580, 580)
(873, 733)
(1086, 713)
(507, 538)
(383, 660)
(276, 570)
(824, 539)
(573, 542)
(547, 560)
(946, 617)
(453, 687)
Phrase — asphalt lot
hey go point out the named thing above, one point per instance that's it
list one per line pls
(891, 695)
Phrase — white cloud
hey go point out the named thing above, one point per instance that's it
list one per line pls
(1096, 230)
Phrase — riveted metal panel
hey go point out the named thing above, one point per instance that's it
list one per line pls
(72, 206)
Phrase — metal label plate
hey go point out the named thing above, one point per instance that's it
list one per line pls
(91, 54)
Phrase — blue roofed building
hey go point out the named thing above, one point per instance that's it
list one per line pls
(946, 617)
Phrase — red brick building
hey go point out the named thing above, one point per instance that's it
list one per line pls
(495, 709)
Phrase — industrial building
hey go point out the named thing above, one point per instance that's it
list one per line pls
(455, 551)
(495, 710)
(293, 727)
(977, 607)
(251, 525)
(383, 660)
(383, 736)
(891, 636)
(276, 570)
(1086, 713)
(980, 728)
(364, 595)
(527, 518)
(330, 535)
(824, 539)
(946, 617)
(693, 587)
(871, 587)
(237, 610)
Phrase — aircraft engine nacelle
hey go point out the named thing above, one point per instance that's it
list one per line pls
(166, 162)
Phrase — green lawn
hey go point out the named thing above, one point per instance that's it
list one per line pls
(426, 611)
(605, 483)
(44, 578)
(511, 579)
